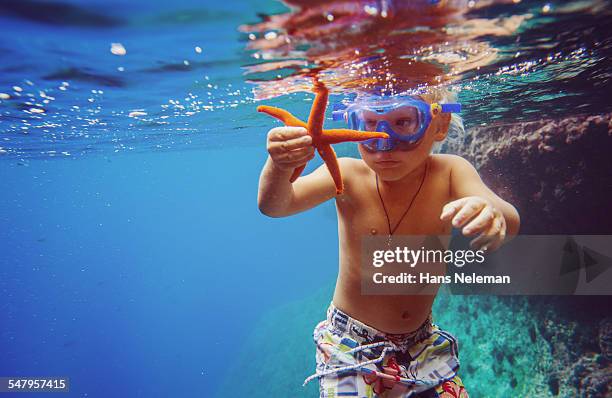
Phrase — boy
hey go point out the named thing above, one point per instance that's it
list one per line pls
(398, 187)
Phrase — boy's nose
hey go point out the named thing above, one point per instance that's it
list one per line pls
(383, 155)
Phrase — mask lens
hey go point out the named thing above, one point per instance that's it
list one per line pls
(369, 120)
(370, 145)
(407, 146)
(404, 121)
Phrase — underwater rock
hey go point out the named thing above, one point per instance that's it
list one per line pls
(605, 338)
(548, 169)
(553, 384)
(573, 329)
(591, 378)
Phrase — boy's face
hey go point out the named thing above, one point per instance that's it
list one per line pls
(397, 163)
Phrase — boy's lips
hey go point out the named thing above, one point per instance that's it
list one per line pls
(387, 163)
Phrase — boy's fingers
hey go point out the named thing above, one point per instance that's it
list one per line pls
(483, 221)
(492, 238)
(279, 147)
(286, 133)
(296, 143)
(502, 232)
(501, 235)
(448, 211)
(488, 243)
(296, 154)
(482, 241)
(469, 210)
(296, 163)
(451, 208)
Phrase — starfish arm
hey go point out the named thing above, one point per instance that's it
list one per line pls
(317, 112)
(284, 116)
(329, 157)
(296, 173)
(334, 136)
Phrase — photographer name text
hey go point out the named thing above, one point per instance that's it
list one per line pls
(427, 278)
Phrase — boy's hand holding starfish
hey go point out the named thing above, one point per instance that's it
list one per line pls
(288, 147)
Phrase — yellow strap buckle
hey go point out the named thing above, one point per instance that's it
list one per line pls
(435, 109)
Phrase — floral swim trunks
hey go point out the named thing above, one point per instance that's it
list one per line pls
(357, 360)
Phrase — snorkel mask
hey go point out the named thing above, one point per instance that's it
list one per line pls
(404, 118)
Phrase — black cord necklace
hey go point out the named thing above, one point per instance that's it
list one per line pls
(391, 231)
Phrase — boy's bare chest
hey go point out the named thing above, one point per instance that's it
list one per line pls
(416, 221)
(367, 214)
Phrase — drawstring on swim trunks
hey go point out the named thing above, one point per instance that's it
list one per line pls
(381, 383)
(361, 366)
(388, 347)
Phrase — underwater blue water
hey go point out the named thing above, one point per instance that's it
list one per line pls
(138, 274)
(133, 258)
(141, 275)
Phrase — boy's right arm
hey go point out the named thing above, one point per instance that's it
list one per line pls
(289, 148)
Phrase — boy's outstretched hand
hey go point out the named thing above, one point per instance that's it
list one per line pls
(476, 215)
(289, 147)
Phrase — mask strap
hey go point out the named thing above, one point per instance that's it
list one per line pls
(451, 108)
(436, 108)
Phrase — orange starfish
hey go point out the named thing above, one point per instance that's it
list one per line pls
(321, 138)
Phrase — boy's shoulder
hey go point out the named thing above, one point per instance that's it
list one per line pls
(350, 166)
(353, 171)
(448, 158)
(449, 161)
(459, 170)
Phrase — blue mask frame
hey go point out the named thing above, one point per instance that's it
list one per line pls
(382, 105)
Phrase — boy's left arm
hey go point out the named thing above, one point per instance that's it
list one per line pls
(476, 209)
